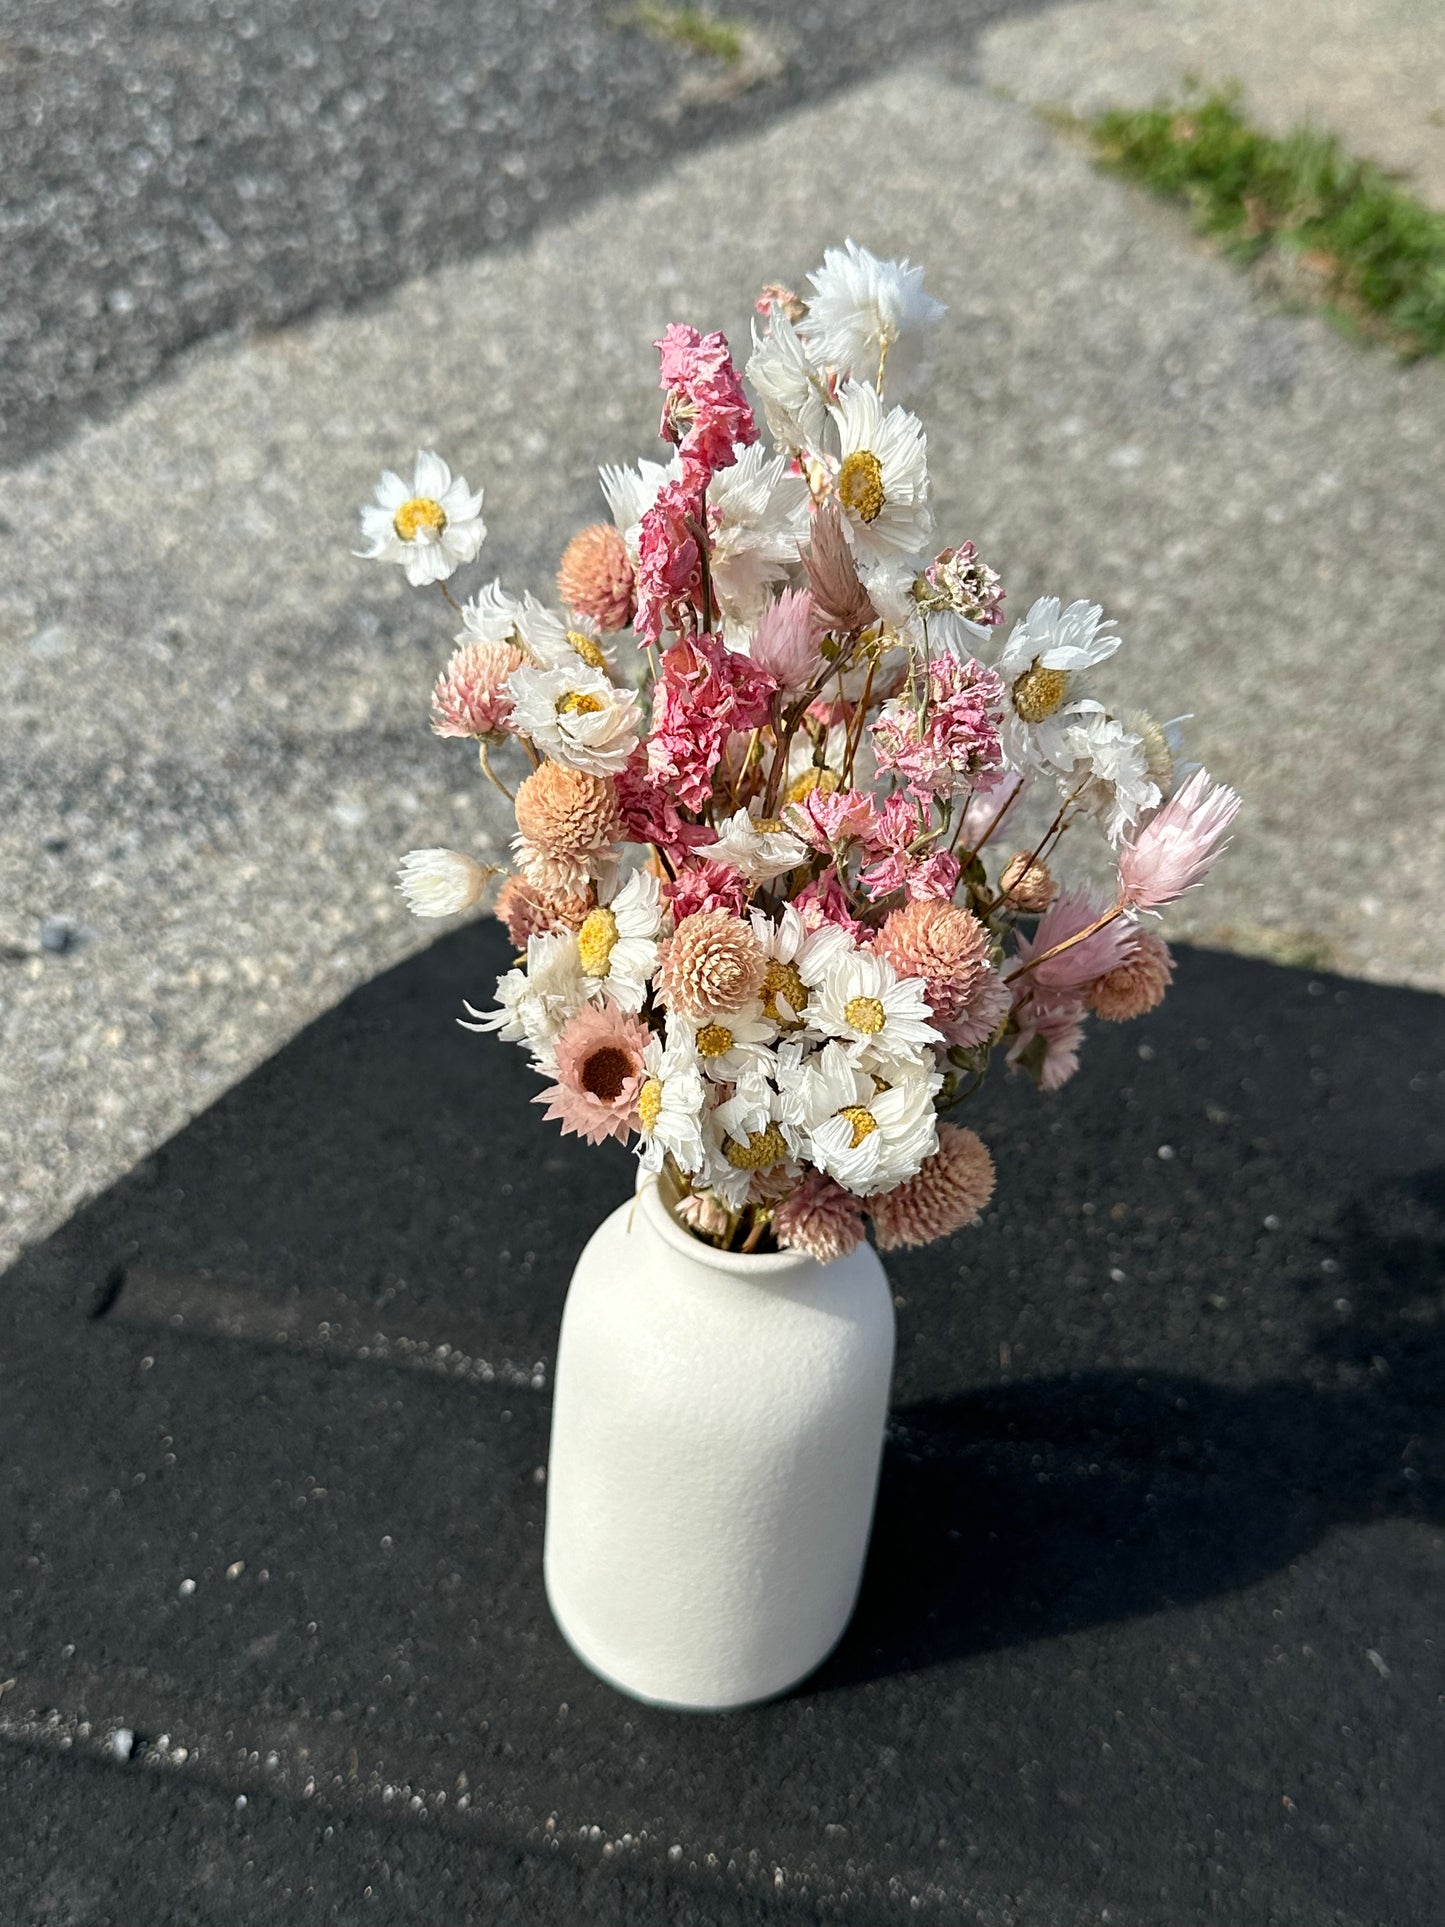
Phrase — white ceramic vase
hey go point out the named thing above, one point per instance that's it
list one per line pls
(716, 1433)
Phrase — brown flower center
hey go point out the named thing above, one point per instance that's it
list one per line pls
(1039, 692)
(782, 980)
(421, 512)
(714, 1040)
(860, 484)
(596, 940)
(762, 1151)
(866, 1014)
(605, 1072)
(862, 1120)
(649, 1103)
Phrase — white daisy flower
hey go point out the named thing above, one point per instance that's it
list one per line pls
(797, 961)
(617, 942)
(491, 615)
(670, 1107)
(868, 1133)
(750, 1132)
(791, 389)
(760, 848)
(881, 1017)
(431, 527)
(631, 492)
(882, 477)
(861, 308)
(441, 883)
(1109, 773)
(1041, 666)
(759, 516)
(576, 716)
(534, 1003)
(557, 642)
(726, 1048)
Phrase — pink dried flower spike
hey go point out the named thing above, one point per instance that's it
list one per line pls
(1179, 845)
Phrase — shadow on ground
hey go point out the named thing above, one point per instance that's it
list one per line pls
(1167, 1433)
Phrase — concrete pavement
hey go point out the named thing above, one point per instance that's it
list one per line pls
(215, 740)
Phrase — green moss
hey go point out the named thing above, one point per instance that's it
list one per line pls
(692, 28)
(1342, 233)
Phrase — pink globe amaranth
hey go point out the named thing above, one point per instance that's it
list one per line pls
(948, 1192)
(1135, 986)
(595, 577)
(820, 1219)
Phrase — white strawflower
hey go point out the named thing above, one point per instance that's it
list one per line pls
(557, 642)
(759, 516)
(631, 492)
(431, 527)
(441, 883)
(790, 388)
(867, 1133)
(617, 942)
(534, 1003)
(1109, 772)
(760, 848)
(576, 716)
(726, 1048)
(670, 1107)
(1042, 666)
(491, 615)
(881, 1017)
(861, 308)
(882, 477)
(751, 1132)
(797, 960)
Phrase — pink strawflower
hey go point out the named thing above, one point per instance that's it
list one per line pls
(701, 1212)
(948, 1192)
(1050, 1031)
(788, 642)
(827, 820)
(820, 1219)
(1137, 985)
(1179, 845)
(1081, 964)
(705, 692)
(947, 740)
(669, 562)
(595, 578)
(599, 1073)
(705, 411)
(471, 696)
(530, 912)
(707, 886)
(842, 601)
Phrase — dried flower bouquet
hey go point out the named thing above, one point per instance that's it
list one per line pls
(767, 757)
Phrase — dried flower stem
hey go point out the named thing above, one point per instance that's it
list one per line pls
(1057, 950)
(491, 775)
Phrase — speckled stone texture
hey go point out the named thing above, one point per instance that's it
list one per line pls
(1149, 1631)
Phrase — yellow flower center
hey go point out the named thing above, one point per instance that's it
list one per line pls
(762, 1151)
(421, 512)
(863, 1122)
(783, 980)
(596, 940)
(865, 1014)
(714, 1040)
(649, 1104)
(587, 649)
(577, 703)
(860, 484)
(1039, 691)
(826, 780)
(769, 825)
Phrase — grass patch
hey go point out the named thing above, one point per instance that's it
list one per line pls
(691, 28)
(1336, 232)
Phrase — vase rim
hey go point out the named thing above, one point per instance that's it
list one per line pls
(739, 1264)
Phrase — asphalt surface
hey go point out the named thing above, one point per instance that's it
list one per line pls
(1149, 1631)
(177, 168)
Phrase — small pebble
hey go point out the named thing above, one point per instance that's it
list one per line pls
(121, 1743)
(186, 1588)
(234, 1570)
(1166, 1151)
